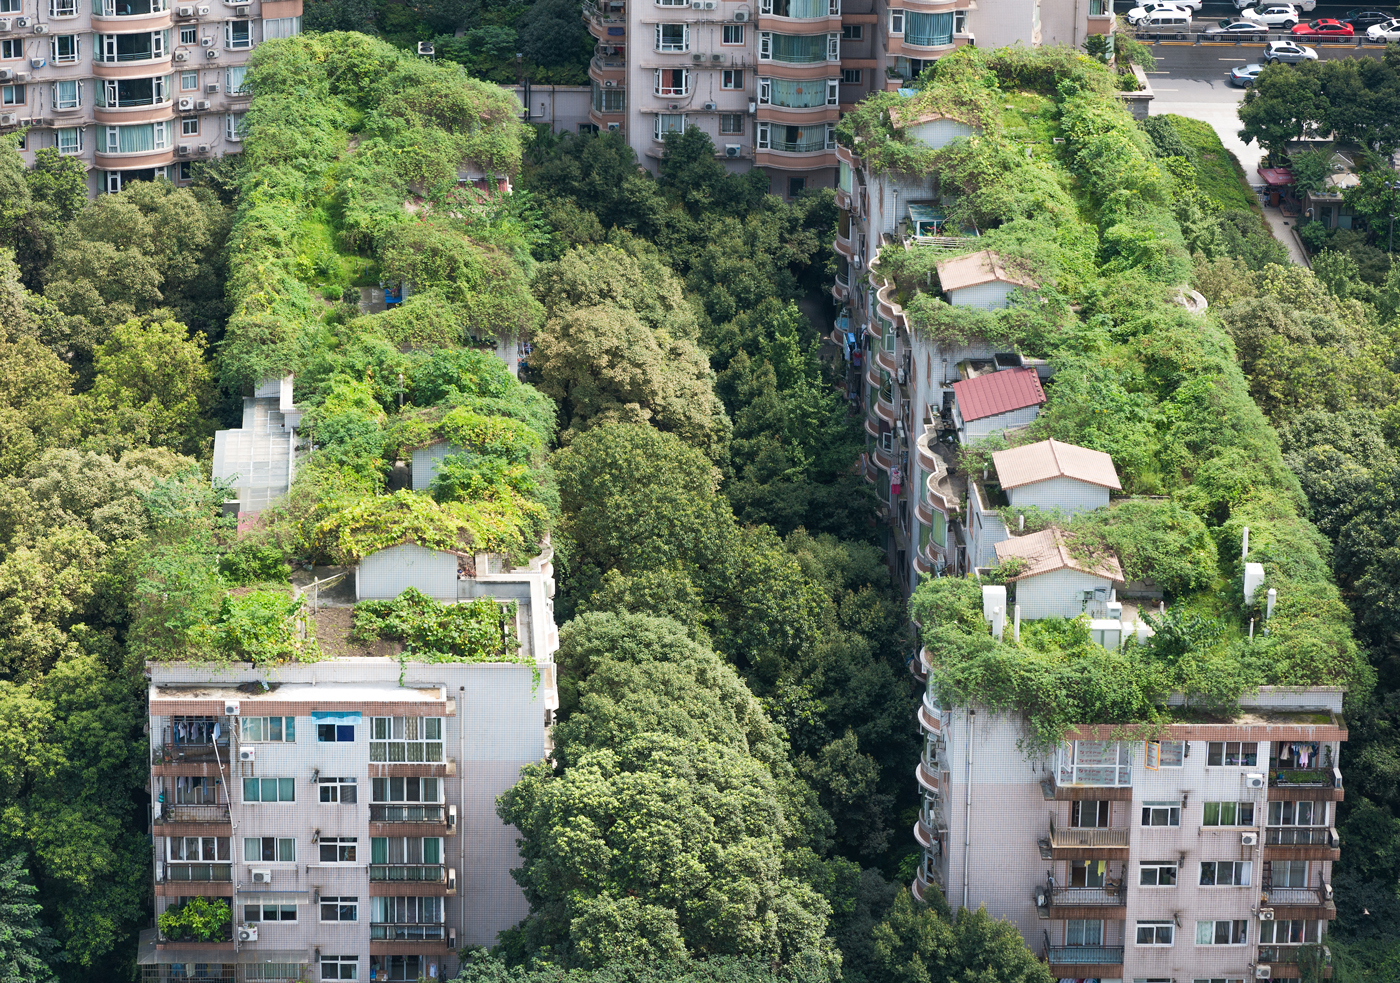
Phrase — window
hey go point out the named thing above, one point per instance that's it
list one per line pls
(799, 49)
(405, 850)
(673, 3)
(607, 99)
(335, 733)
(896, 22)
(800, 9)
(732, 78)
(1228, 814)
(1083, 932)
(68, 94)
(796, 185)
(1087, 873)
(1089, 814)
(406, 789)
(399, 967)
(1297, 813)
(852, 32)
(731, 124)
(733, 34)
(1225, 873)
(182, 173)
(198, 848)
(1157, 873)
(138, 139)
(798, 93)
(272, 971)
(261, 728)
(189, 126)
(672, 37)
(269, 790)
(406, 911)
(11, 6)
(22, 141)
(194, 791)
(1288, 873)
(411, 739)
(340, 967)
(1163, 754)
(1232, 754)
(11, 47)
(280, 27)
(1224, 932)
(1161, 814)
(63, 8)
(130, 47)
(1107, 763)
(672, 81)
(928, 30)
(1213, 979)
(269, 849)
(269, 912)
(1285, 931)
(665, 123)
(189, 35)
(11, 95)
(340, 790)
(189, 82)
(234, 79)
(850, 76)
(341, 909)
(1098, 8)
(338, 849)
(1154, 933)
(238, 34)
(65, 49)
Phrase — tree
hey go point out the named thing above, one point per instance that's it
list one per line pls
(25, 944)
(919, 943)
(1285, 103)
(59, 183)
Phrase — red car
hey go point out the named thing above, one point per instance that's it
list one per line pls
(1324, 28)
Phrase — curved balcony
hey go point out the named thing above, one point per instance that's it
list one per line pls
(825, 24)
(886, 412)
(135, 161)
(886, 360)
(872, 428)
(841, 290)
(872, 378)
(793, 160)
(912, 46)
(927, 773)
(922, 564)
(117, 23)
(941, 495)
(135, 68)
(934, 6)
(929, 722)
(845, 154)
(797, 116)
(608, 69)
(929, 877)
(135, 114)
(881, 459)
(845, 247)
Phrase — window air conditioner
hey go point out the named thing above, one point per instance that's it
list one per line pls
(41, 28)
(609, 83)
(1249, 839)
(202, 11)
(37, 63)
(211, 52)
(261, 876)
(4, 23)
(182, 56)
(1262, 972)
(740, 16)
(710, 107)
(9, 119)
(183, 150)
(204, 148)
(731, 150)
(1266, 914)
(248, 933)
(697, 57)
(231, 707)
(186, 105)
(1327, 891)
(1254, 780)
(203, 105)
(614, 127)
(248, 754)
(184, 11)
(425, 49)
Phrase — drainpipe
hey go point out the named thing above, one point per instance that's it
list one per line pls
(967, 819)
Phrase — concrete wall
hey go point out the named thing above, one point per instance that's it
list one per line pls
(390, 572)
(1056, 594)
(984, 529)
(990, 426)
(1065, 494)
(984, 296)
(426, 461)
(939, 133)
(563, 108)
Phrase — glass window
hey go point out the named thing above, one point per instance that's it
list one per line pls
(1154, 933)
(665, 123)
(238, 34)
(63, 8)
(234, 76)
(68, 95)
(11, 47)
(928, 30)
(850, 76)
(1161, 814)
(189, 35)
(66, 49)
(1157, 873)
(851, 32)
(1285, 931)
(269, 790)
(1297, 813)
(266, 728)
(189, 126)
(1089, 813)
(1225, 873)
(340, 790)
(11, 6)
(407, 789)
(280, 27)
(335, 733)
(795, 49)
(1107, 763)
(732, 78)
(733, 34)
(395, 968)
(269, 849)
(672, 37)
(338, 850)
(408, 739)
(189, 82)
(1225, 932)
(1227, 814)
(1232, 754)
(11, 95)
(269, 912)
(340, 967)
(731, 123)
(340, 909)
(1083, 932)
(198, 848)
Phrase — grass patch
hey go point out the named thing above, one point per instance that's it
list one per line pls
(1218, 173)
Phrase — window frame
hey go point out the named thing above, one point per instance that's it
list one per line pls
(1156, 927)
(263, 725)
(336, 788)
(1237, 929)
(281, 846)
(727, 122)
(1158, 866)
(1224, 752)
(217, 841)
(1151, 809)
(1277, 807)
(186, 123)
(259, 912)
(851, 76)
(189, 35)
(728, 32)
(59, 102)
(1237, 868)
(387, 784)
(731, 79)
(852, 32)
(425, 724)
(75, 42)
(343, 963)
(13, 95)
(671, 47)
(340, 844)
(896, 20)
(281, 784)
(339, 903)
(1238, 810)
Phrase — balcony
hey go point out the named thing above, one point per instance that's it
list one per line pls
(929, 772)
(930, 827)
(381, 932)
(214, 812)
(382, 813)
(1293, 784)
(1085, 960)
(423, 873)
(1106, 902)
(178, 872)
(929, 875)
(1085, 844)
(1300, 902)
(1302, 843)
(178, 753)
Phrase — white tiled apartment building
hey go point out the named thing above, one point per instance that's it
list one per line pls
(136, 89)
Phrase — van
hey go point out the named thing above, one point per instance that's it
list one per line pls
(1171, 21)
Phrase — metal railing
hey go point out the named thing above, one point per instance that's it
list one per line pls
(1296, 895)
(798, 146)
(1085, 955)
(1301, 836)
(407, 814)
(198, 872)
(1305, 778)
(429, 873)
(1114, 837)
(169, 753)
(209, 813)
(1110, 895)
(1264, 34)
(407, 933)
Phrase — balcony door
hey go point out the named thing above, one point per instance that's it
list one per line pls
(1087, 873)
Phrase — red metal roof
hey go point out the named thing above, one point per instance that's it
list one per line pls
(998, 392)
(1276, 176)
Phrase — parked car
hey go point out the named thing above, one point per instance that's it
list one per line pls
(1280, 15)
(1327, 27)
(1239, 27)
(1361, 17)
(1139, 14)
(1288, 51)
(1307, 6)
(1386, 31)
(1244, 75)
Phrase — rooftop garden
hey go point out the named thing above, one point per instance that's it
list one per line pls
(1111, 222)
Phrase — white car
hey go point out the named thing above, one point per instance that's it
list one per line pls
(1139, 14)
(1289, 52)
(1280, 15)
(1305, 5)
(1388, 31)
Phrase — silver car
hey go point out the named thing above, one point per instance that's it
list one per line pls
(1288, 52)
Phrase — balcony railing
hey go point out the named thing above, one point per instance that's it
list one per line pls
(198, 872)
(1300, 778)
(797, 146)
(1290, 953)
(1297, 895)
(1301, 836)
(429, 873)
(407, 933)
(1110, 895)
(1088, 837)
(406, 814)
(1085, 955)
(210, 813)
(174, 753)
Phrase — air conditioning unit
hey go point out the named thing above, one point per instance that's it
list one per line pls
(21, 22)
(452, 880)
(248, 754)
(697, 57)
(248, 933)
(41, 28)
(186, 105)
(1327, 891)
(716, 58)
(609, 83)
(206, 42)
(426, 49)
(182, 56)
(156, 808)
(241, 10)
(203, 105)
(4, 23)
(451, 938)
(9, 119)
(1254, 780)
(202, 11)
(1249, 839)
(211, 52)
(740, 16)
(212, 87)
(731, 150)
(614, 127)
(183, 150)
(231, 707)
(21, 76)
(1266, 914)
(261, 876)
(37, 63)
(203, 148)
(1262, 972)
(710, 4)
(7, 74)
(697, 4)
(710, 107)
(184, 11)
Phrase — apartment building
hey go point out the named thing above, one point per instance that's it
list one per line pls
(135, 89)
(1204, 855)
(768, 79)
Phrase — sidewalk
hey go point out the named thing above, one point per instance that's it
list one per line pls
(1283, 232)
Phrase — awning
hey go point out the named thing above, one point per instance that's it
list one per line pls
(335, 715)
(1276, 176)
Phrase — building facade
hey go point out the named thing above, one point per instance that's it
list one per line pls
(135, 89)
(768, 79)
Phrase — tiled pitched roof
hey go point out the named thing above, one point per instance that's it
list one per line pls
(1045, 551)
(975, 269)
(998, 392)
(1053, 459)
